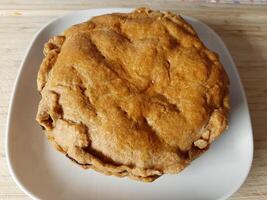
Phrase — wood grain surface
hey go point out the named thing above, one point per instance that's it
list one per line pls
(242, 27)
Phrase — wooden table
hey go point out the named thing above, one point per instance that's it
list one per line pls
(242, 27)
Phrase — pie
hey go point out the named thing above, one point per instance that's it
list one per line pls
(132, 94)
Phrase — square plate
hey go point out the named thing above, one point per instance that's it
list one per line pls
(44, 173)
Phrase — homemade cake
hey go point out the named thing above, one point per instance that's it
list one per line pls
(134, 94)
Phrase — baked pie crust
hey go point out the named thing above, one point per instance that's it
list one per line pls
(134, 94)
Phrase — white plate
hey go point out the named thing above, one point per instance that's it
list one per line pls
(44, 173)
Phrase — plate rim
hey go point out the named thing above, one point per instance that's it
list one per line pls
(112, 10)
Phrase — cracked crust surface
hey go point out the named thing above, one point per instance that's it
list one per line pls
(134, 94)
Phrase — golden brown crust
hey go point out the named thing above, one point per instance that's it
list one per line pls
(135, 94)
